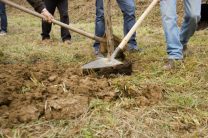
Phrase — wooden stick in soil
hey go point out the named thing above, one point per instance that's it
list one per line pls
(108, 27)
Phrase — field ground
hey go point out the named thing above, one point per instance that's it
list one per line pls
(43, 92)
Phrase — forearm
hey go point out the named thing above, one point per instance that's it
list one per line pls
(38, 5)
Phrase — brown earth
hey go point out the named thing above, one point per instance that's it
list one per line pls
(45, 90)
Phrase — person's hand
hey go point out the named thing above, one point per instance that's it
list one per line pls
(47, 16)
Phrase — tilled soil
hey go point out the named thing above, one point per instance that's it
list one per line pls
(45, 90)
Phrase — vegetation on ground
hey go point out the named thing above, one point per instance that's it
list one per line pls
(178, 107)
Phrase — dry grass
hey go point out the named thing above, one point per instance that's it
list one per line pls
(181, 113)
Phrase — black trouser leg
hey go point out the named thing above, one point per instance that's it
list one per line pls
(3, 17)
(46, 27)
(64, 17)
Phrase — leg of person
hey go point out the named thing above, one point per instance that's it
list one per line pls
(3, 18)
(64, 17)
(99, 24)
(191, 19)
(46, 27)
(171, 29)
(128, 9)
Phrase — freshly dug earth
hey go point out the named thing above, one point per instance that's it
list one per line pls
(123, 69)
(45, 90)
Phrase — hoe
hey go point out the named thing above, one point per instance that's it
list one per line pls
(110, 62)
(104, 48)
(107, 43)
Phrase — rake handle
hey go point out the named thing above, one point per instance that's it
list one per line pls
(134, 28)
(79, 31)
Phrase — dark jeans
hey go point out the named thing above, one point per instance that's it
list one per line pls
(62, 6)
(128, 9)
(3, 17)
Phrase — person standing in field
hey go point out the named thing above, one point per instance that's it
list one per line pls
(40, 7)
(62, 6)
(177, 39)
(128, 9)
(46, 8)
(3, 16)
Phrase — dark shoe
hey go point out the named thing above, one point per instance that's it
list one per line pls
(46, 40)
(96, 51)
(185, 48)
(98, 54)
(171, 64)
(186, 51)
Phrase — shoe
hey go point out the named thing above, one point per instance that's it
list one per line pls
(67, 42)
(171, 64)
(185, 48)
(2, 33)
(186, 51)
(98, 54)
(46, 39)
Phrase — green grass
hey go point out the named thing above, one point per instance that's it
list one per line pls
(181, 113)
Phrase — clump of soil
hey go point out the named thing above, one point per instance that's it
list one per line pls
(146, 95)
(149, 95)
(45, 90)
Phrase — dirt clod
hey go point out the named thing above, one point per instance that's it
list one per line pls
(146, 95)
(48, 91)
(52, 78)
(45, 90)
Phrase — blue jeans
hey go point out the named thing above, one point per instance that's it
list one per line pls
(176, 39)
(3, 17)
(128, 9)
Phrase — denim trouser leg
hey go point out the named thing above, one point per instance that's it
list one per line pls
(128, 9)
(191, 19)
(3, 17)
(171, 29)
(99, 22)
(175, 38)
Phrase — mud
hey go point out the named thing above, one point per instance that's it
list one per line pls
(144, 95)
(46, 90)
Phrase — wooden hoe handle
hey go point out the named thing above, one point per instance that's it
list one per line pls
(79, 31)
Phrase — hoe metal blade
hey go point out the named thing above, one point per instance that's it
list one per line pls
(102, 63)
(105, 62)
